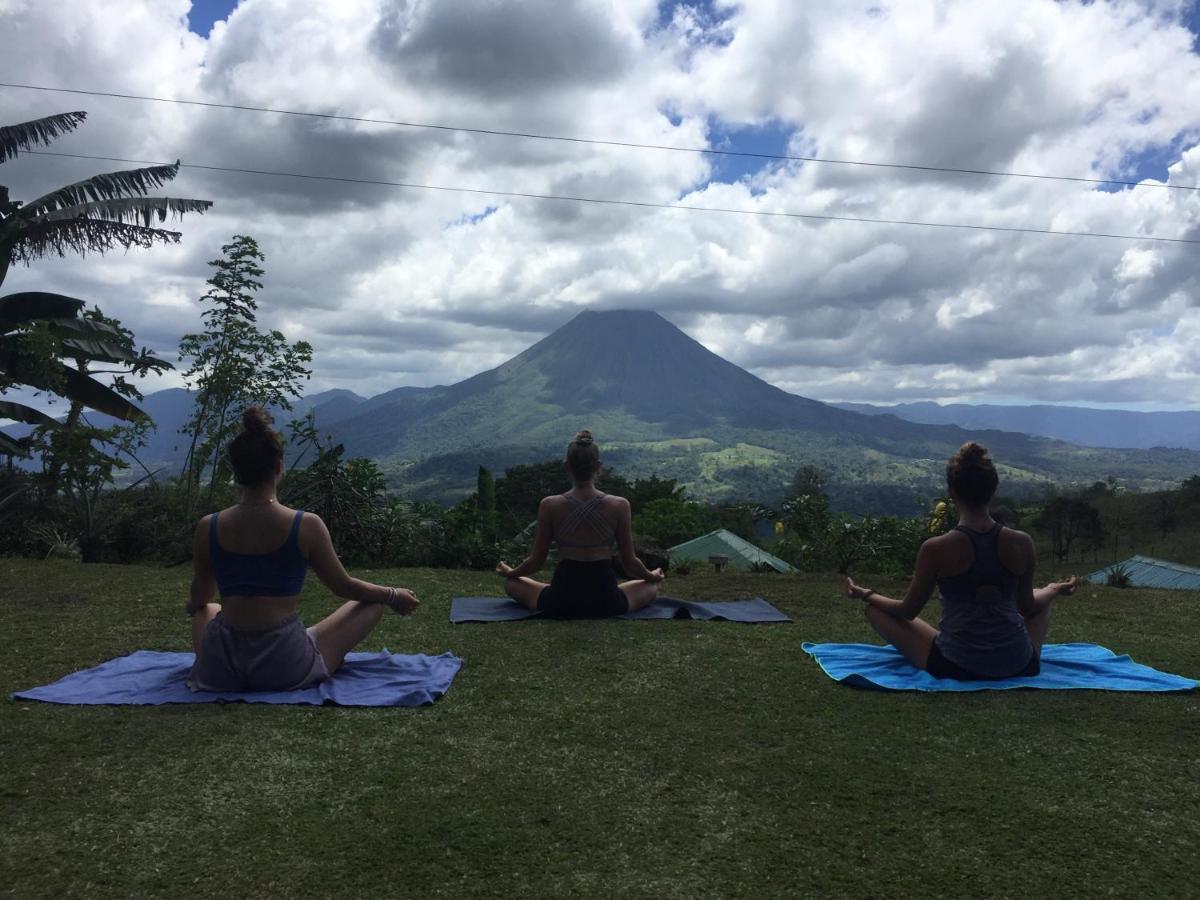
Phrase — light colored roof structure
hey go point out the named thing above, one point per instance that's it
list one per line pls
(1144, 571)
(742, 554)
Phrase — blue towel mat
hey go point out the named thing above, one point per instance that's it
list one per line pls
(502, 609)
(1064, 667)
(152, 677)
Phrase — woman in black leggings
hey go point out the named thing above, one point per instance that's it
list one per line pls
(584, 523)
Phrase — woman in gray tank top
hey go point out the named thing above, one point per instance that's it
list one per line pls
(994, 621)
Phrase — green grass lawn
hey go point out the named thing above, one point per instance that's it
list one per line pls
(641, 759)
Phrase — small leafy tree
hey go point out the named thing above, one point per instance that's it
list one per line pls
(670, 521)
(522, 488)
(92, 455)
(233, 363)
(347, 494)
(1068, 520)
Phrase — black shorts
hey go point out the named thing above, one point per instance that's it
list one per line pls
(940, 667)
(583, 590)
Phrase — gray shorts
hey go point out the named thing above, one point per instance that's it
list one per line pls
(282, 657)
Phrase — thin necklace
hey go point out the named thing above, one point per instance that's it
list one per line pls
(256, 503)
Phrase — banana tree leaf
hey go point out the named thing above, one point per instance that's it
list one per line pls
(130, 210)
(19, 412)
(17, 309)
(107, 186)
(12, 447)
(23, 135)
(75, 386)
(99, 397)
(97, 350)
(85, 326)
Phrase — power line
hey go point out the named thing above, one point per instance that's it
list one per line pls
(643, 204)
(599, 142)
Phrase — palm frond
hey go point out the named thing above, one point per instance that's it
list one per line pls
(43, 238)
(22, 136)
(108, 186)
(19, 412)
(13, 447)
(130, 210)
(17, 309)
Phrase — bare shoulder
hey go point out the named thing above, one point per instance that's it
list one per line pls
(940, 543)
(311, 523)
(1016, 538)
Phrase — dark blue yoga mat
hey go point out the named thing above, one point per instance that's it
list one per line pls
(152, 677)
(502, 609)
(1064, 667)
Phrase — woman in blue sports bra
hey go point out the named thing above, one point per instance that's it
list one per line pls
(584, 523)
(256, 554)
(994, 621)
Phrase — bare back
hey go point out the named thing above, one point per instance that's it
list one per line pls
(255, 531)
(585, 525)
(956, 555)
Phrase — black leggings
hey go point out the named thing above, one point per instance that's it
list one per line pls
(940, 667)
(583, 590)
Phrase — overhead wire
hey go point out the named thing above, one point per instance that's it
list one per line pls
(643, 204)
(708, 151)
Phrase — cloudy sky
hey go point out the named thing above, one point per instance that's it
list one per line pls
(399, 286)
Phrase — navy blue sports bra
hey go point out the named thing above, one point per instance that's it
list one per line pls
(279, 573)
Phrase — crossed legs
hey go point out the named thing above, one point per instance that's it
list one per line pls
(526, 592)
(344, 629)
(915, 638)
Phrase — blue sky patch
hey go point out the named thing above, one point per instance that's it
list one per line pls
(770, 137)
(1151, 162)
(204, 13)
(708, 16)
(1191, 21)
(473, 218)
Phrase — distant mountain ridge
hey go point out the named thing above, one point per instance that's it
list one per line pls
(661, 403)
(1116, 428)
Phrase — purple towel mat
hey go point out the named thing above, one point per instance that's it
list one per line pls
(153, 677)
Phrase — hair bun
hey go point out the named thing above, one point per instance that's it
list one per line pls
(972, 452)
(584, 438)
(256, 420)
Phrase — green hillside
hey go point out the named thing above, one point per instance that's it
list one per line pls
(660, 403)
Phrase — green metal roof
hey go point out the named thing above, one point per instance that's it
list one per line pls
(742, 554)
(1145, 571)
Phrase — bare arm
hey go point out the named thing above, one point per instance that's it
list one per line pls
(204, 586)
(919, 589)
(541, 546)
(1031, 600)
(333, 575)
(633, 566)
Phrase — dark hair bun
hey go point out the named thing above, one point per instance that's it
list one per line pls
(256, 420)
(584, 438)
(972, 453)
